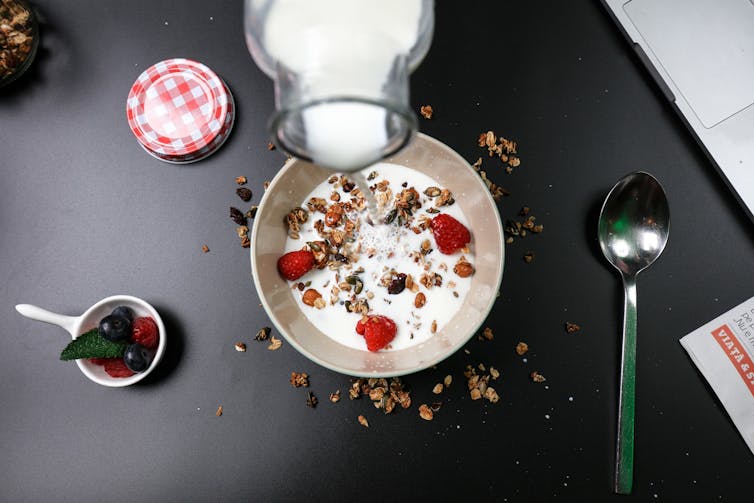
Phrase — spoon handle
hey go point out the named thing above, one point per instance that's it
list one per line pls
(624, 459)
(37, 313)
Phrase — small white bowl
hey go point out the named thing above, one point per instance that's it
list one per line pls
(77, 325)
(288, 189)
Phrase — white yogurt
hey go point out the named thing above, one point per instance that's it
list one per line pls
(395, 247)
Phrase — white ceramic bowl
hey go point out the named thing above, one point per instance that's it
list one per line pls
(296, 180)
(77, 325)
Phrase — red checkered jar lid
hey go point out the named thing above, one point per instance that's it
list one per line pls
(180, 110)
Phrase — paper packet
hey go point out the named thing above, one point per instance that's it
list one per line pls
(723, 350)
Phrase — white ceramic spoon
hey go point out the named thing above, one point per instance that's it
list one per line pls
(77, 325)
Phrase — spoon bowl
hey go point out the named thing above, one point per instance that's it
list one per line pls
(633, 230)
(633, 225)
(77, 325)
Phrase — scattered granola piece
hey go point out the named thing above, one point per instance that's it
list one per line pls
(311, 400)
(426, 111)
(494, 373)
(275, 343)
(448, 379)
(433, 327)
(335, 396)
(241, 180)
(437, 389)
(537, 377)
(205, 248)
(299, 379)
(571, 327)
(487, 334)
(242, 231)
(529, 257)
(491, 395)
(219, 411)
(270, 145)
(252, 213)
(244, 193)
(263, 334)
(245, 242)
(237, 216)
(266, 184)
(240, 347)
(522, 348)
(475, 394)
(363, 421)
(425, 412)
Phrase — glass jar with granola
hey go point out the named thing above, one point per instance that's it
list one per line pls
(19, 38)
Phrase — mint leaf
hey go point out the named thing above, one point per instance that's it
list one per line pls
(92, 345)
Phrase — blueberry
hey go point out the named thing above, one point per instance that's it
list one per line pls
(137, 357)
(124, 311)
(115, 328)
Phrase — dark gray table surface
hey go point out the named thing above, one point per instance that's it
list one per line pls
(85, 213)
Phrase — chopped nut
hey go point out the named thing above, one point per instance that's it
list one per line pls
(494, 373)
(299, 379)
(310, 297)
(572, 327)
(245, 242)
(426, 111)
(537, 377)
(335, 396)
(425, 412)
(487, 334)
(252, 213)
(240, 347)
(270, 145)
(275, 343)
(219, 411)
(420, 300)
(242, 231)
(491, 395)
(241, 180)
(437, 389)
(463, 268)
(262, 334)
(448, 379)
(522, 348)
(363, 421)
(475, 394)
(205, 248)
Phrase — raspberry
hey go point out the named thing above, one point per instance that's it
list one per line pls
(116, 367)
(450, 234)
(377, 330)
(101, 361)
(295, 264)
(145, 332)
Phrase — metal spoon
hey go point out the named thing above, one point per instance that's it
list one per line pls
(633, 230)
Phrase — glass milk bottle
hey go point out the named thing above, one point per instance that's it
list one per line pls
(341, 70)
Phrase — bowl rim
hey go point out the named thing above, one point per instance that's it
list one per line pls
(426, 363)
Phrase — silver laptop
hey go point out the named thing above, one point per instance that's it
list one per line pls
(701, 53)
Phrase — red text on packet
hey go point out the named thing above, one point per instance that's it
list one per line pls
(736, 354)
